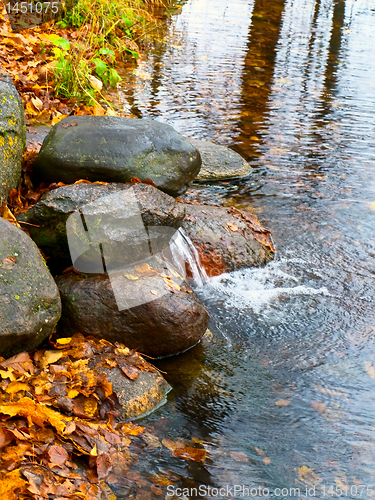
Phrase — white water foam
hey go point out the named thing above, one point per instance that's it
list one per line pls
(256, 288)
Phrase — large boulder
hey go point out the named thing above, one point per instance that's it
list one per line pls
(48, 217)
(29, 298)
(115, 149)
(168, 319)
(219, 162)
(12, 135)
(227, 239)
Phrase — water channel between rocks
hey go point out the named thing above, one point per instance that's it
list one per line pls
(286, 382)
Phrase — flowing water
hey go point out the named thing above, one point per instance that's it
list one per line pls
(283, 392)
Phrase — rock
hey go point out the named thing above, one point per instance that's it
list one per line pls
(138, 397)
(30, 301)
(170, 320)
(50, 214)
(219, 162)
(115, 149)
(227, 239)
(12, 136)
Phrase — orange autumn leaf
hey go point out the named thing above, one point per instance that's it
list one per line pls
(35, 413)
(10, 484)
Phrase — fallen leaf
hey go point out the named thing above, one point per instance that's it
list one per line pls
(238, 456)
(304, 470)
(50, 357)
(282, 402)
(266, 460)
(232, 227)
(370, 369)
(259, 451)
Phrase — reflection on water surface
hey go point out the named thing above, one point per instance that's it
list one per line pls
(282, 394)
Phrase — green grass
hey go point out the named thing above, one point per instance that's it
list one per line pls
(106, 32)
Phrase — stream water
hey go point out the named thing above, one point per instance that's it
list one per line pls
(283, 393)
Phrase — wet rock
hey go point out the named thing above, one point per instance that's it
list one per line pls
(12, 135)
(115, 149)
(49, 216)
(219, 162)
(227, 239)
(30, 302)
(141, 396)
(168, 319)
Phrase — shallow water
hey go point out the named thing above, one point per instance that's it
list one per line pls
(288, 376)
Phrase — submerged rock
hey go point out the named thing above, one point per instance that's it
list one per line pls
(154, 208)
(29, 299)
(219, 162)
(12, 135)
(115, 149)
(227, 239)
(168, 319)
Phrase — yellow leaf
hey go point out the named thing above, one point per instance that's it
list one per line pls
(57, 118)
(94, 452)
(131, 277)
(90, 406)
(304, 470)
(8, 374)
(64, 341)
(14, 387)
(372, 206)
(50, 357)
(154, 292)
(341, 485)
(35, 413)
(9, 485)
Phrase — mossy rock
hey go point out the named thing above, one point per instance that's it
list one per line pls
(12, 135)
(30, 303)
(116, 149)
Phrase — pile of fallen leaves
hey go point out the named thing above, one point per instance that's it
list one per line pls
(60, 434)
(28, 58)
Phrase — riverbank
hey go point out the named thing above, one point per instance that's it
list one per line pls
(66, 65)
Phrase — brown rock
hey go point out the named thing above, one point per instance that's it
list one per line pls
(227, 239)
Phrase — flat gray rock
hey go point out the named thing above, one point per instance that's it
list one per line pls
(30, 303)
(116, 149)
(219, 162)
(12, 135)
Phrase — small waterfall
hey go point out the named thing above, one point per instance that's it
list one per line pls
(184, 256)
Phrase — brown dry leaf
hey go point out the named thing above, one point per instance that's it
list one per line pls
(156, 490)
(190, 453)
(238, 456)
(266, 460)
(282, 402)
(9, 262)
